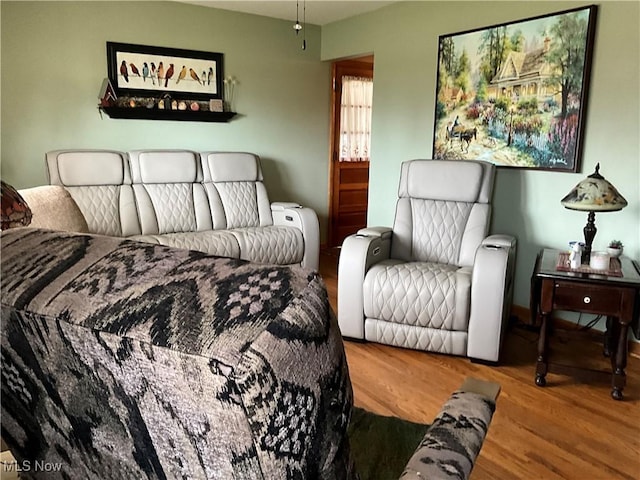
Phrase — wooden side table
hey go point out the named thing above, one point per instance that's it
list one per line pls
(616, 297)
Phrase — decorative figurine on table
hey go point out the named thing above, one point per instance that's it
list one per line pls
(575, 257)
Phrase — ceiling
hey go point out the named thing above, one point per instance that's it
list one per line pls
(318, 12)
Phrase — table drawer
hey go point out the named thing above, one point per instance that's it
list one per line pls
(600, 300)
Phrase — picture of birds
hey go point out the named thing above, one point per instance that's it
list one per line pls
(124, 72)
(134, 70)
(145, 71)
(194, 75)
(142, 71)
(182, 74)
(168, 75)
(160, 73)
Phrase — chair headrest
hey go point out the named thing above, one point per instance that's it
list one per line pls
(165, 166)
(87, 167)
(231, 167)
(447, 180)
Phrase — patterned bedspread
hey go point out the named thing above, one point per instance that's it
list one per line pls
(126, 360)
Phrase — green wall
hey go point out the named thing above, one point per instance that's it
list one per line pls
(404, 39)
(54, 60)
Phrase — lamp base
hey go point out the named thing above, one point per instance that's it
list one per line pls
(589, 234)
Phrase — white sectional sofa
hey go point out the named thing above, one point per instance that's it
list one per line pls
(215, 202)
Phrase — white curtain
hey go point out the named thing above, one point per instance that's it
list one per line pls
(355, 119)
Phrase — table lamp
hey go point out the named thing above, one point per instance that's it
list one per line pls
(593, 194)
(15, 211)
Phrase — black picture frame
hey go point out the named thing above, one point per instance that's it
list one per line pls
(196, 75)
(506, 94)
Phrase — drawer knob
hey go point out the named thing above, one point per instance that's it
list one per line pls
(586, 299)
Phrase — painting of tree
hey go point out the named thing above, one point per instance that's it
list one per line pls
(515, 94)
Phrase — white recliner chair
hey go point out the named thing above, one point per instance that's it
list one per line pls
(435, 281)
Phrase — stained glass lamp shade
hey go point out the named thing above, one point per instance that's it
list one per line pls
(593, 194)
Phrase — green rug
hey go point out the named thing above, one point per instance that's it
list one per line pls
(381, 446)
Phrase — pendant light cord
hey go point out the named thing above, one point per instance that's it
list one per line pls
(304, 24)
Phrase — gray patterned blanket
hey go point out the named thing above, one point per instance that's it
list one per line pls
(125, 360)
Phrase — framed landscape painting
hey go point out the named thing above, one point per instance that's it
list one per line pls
(515, 94)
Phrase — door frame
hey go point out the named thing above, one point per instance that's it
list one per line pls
(360, 67)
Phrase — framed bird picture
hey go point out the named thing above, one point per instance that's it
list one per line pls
(155, 71)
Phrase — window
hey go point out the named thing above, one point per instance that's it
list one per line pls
(355, 119)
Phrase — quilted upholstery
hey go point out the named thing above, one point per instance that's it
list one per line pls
(240, 203)
(417, 338)
(413, 285)
(233, 182)
(437, 229)
(277, 245)
(193, 367)
(168, 192)
(99, 205)
(174, 207)
(214, 242)
(100, 183)
(424, 294)
(215, 202)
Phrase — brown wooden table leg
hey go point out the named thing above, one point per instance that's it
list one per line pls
(541, 364)
(610, 338)
(619, 361)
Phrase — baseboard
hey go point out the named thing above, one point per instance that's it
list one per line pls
(524, 315)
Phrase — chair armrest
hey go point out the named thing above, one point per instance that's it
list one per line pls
(279, 206)
(359, 252)
(491, 294)
(304, 219)
(499, 241)
(384, 232)
(454, 439)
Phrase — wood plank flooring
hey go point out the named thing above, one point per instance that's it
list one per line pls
(570, 429)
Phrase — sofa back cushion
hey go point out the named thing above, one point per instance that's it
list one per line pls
(168, 192)
(443, 211)
(237, 196)
(100, 183)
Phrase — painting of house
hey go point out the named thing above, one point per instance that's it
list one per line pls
(453, 96)
(529, 81)
(525, 74)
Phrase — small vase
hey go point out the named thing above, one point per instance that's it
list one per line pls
(614, 252)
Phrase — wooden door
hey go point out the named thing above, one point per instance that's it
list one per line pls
(349, 181)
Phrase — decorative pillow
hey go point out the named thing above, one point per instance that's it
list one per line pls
(54, 208)
(15, 211)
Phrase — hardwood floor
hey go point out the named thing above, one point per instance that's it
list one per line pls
(570, 429)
